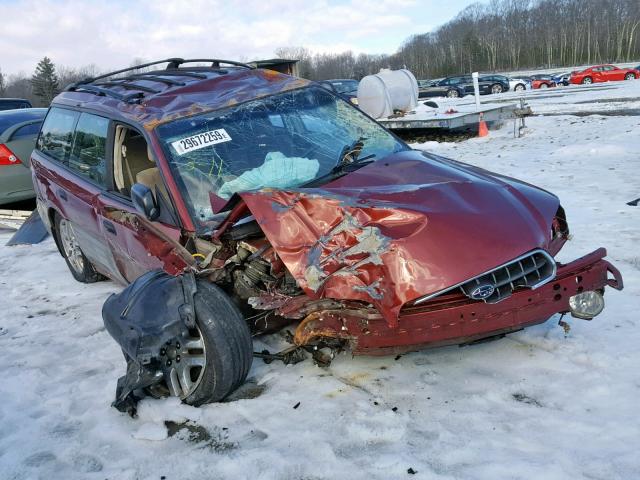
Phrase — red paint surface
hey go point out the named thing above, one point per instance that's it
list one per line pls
(615, 74)
(454, 319)
(402, 228)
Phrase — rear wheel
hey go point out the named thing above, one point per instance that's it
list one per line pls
(544, 85)
(519, 88)
(80, 267)
(496, 88)
(453, 94)
(629, 76)
(587, 81)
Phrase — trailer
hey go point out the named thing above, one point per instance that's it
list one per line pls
(455, 116)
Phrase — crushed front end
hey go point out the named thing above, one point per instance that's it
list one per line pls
(453, 257)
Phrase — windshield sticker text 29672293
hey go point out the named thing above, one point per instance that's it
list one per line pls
(200, 140)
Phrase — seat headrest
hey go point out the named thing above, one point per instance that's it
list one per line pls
(136, 147)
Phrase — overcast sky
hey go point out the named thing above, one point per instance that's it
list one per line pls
(110, 34)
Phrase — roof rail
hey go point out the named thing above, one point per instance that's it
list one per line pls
(105, 92)
(173, 64)
(215, 62)
(159, 75)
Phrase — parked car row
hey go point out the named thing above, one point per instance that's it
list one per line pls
(461, 85)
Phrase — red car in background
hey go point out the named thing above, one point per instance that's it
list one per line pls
(603, 73)
(542, 81)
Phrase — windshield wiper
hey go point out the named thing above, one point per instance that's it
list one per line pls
(340, 170)
(350, 153)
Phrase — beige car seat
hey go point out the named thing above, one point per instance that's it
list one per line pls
(140, 166)
(151, 176)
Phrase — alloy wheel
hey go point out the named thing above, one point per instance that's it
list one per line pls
(70, 246)
(184, 363)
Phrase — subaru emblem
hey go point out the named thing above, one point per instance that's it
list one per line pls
(482, 291)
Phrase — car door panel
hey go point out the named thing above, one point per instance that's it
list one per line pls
(74, 199)
(137, 244)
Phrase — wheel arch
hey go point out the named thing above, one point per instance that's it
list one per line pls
(51, 217)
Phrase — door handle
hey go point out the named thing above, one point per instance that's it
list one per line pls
(109, 227)
(63, 195)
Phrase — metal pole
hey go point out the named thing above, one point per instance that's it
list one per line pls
(476, 89)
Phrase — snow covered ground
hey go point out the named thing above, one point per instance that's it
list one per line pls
(537, 404)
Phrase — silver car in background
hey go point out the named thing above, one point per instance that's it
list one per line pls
(18, 133)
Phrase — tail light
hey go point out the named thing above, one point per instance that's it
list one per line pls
(7, 157)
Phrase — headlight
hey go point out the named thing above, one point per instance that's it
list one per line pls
(354, 100)
(586, 305)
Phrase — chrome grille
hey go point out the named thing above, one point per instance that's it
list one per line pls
(529, 271)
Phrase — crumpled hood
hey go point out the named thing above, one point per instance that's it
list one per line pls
(400, 228)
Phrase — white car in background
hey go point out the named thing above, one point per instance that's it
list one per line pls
(519, 84)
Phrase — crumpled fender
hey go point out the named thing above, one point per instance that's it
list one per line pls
(401, 228)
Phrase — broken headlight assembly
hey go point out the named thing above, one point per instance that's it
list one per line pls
(586, 305)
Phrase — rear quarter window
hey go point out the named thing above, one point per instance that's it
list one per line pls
(56, 137)
(30, 130)
(13, 104)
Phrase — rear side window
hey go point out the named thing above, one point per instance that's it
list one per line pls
(89, 147)
(30, 130)
(56, 137)
(12, 104)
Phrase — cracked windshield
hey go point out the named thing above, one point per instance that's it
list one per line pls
(284, 141)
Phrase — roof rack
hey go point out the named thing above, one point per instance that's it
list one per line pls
(173, 64)
(171, 70)
(105, 92)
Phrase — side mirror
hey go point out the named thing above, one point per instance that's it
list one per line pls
(144, 201)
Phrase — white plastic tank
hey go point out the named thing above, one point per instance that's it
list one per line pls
(381, 94)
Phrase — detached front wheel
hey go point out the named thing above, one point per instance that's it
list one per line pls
(216, 357)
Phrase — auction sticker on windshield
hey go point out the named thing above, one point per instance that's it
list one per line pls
(200, 140)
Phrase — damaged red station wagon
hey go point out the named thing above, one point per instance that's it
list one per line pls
(235, 201)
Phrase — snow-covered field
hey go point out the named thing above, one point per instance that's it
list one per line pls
(538, 404)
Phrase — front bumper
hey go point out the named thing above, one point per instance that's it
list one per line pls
(455, 319)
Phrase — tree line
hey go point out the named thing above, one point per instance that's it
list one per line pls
(45, 83)
(500, 35)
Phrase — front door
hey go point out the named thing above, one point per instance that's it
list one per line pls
(137, 244)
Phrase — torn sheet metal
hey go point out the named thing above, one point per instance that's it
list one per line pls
(401, 228)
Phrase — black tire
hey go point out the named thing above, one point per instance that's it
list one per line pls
(453, 93)
(519, 88)
(82, 269)
(496, 88)
(544, 85)
(629, 76)
(587, 81)
(228, 345)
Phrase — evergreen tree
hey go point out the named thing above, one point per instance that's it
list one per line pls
(3, 86)
(45, 81)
